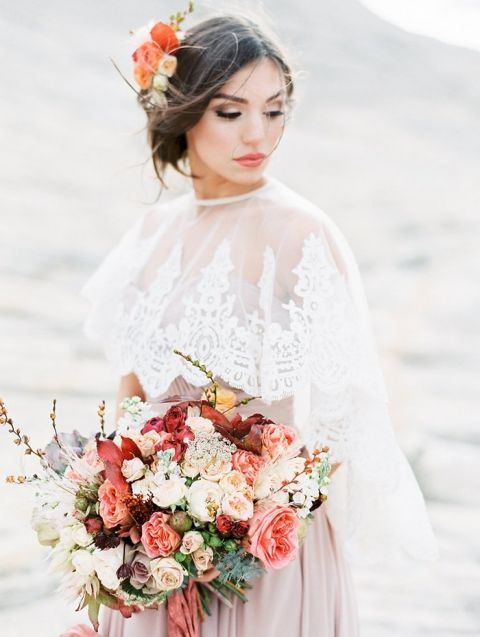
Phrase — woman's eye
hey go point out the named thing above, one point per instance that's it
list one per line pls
(227, 115)
(234, 115)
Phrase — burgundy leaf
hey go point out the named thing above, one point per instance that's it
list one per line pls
(110, 452)
(130, 449)
(116, 477)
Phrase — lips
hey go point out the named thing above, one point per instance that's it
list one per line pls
(251, 157)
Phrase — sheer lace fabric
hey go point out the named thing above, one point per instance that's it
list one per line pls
(264, 290)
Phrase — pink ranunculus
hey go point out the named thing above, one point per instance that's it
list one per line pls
(280, 440)
(247, 463)
(80, 630)
(112, 509)
(273, 534)
(158, 537)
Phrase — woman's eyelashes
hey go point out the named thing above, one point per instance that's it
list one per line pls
(235, 114)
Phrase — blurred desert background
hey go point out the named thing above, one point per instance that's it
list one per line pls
(385, 138)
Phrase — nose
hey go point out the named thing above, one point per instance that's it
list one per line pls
(255, 128)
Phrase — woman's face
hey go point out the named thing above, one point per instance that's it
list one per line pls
(246, 116)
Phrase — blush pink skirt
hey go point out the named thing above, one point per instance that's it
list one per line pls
(311, 597)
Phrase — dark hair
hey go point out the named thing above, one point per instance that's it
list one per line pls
(213, 50)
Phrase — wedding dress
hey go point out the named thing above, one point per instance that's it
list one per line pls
(264, 290)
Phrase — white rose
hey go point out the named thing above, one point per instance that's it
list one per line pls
(203, 558)
(133, 469)
(143, 487)
(81, 536)
(263, 484)
(160, 82)
(167, 573)
(169, 492)
(216, 470)
(198, 424)
(106, 565)
(233, 482)
(237, 506)
(204, 499)
(188, 469)
(83, 563)
(168, 65)
(191, 541)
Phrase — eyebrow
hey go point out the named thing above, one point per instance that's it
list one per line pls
(241, 100)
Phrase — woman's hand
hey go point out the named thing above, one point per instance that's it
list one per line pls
(208, 575)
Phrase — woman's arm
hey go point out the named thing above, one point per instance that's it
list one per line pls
(129, 386)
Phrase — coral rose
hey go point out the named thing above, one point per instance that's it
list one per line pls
(273, 534)
(158, 537)
(247, 463)
(112, 509)
(148, 56)
(280, 440)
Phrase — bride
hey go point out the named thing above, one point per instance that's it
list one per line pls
(260, 285)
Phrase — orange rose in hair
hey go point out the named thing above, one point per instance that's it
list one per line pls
(144, 78)
(164, 36)
(148, 56)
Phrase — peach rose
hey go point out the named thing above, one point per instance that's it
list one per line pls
(279, 440)
(112, 509)
(148, 56)
(158, 537)
(237, 506)
(273, 534)
(233, 482)
(247, 463)
(143, 77)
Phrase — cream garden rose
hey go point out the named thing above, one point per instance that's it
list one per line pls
(216, 470)
(204, 498)
(191, 541)
(199, 424)
(203, 558)
(237, 506)
(168, 492)
(167, 573)
(233, 482)
(133, 469)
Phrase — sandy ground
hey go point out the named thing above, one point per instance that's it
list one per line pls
(384, 139)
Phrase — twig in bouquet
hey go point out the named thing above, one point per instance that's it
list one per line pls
(202, 368)
(101, 414)
(53, 416)
(307, 470)
(244, 401)
(19, 438)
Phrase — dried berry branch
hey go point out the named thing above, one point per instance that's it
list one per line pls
(18, 437)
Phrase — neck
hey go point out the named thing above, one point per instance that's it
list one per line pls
(217, 187)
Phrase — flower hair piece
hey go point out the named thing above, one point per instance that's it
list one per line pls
(154, 56)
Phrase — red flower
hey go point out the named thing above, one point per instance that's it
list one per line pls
(174, 419)
(154, 424)
(164, 36)
(224, 524)
(240, 529)
(93, 524)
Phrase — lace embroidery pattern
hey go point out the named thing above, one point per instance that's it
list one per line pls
(258, 356)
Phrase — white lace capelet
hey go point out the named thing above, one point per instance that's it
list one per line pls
(263, 289)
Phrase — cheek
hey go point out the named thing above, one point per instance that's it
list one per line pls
(214, 136)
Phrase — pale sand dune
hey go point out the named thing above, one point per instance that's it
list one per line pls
(385, 138)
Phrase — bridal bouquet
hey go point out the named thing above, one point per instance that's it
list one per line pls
(134, 517)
